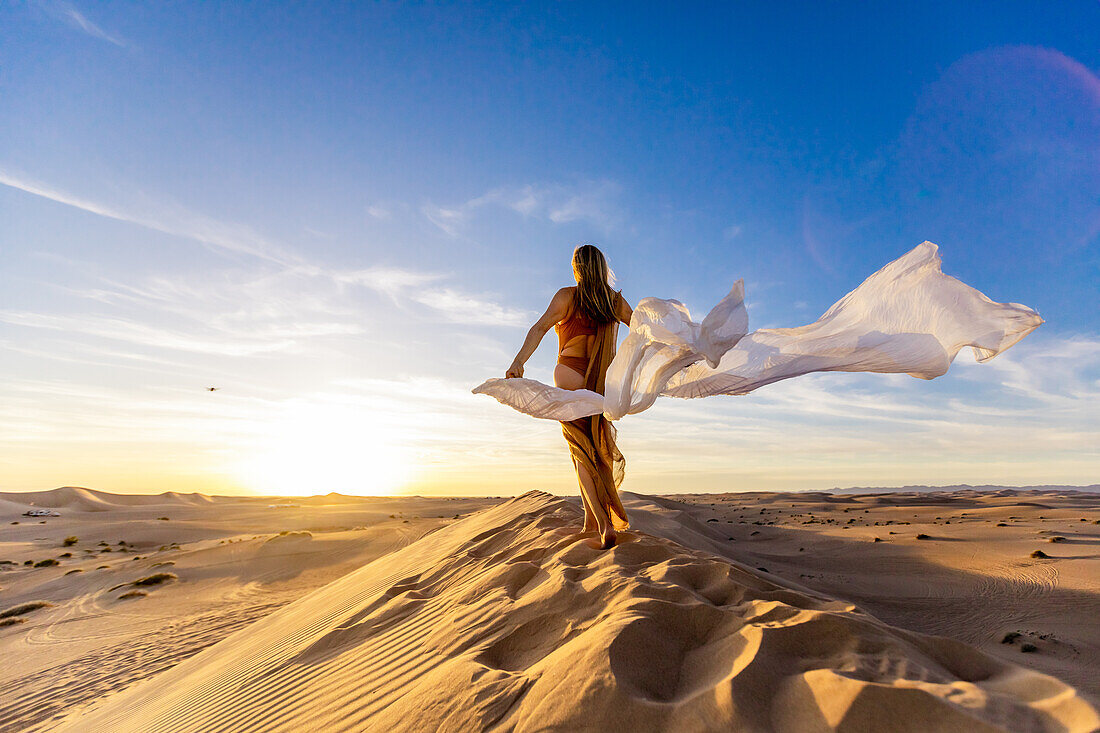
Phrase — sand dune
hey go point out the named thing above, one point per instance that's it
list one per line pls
(76, 498)
(236, 559)
(986, 489)
(507, 620)
(973, 577)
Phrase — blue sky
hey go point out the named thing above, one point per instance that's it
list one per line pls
(345, 217)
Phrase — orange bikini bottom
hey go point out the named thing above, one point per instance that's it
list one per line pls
(578, 364)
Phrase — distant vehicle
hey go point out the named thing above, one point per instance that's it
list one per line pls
(41, 513)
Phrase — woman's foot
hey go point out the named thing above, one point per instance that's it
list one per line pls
(608, 538)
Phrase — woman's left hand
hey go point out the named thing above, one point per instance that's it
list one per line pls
(514, 371)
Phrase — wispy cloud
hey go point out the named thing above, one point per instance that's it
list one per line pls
(595, 202)
(173, 220)
(402, 285)
(214, 340)
(392, 281)
(73, 18)
(89, 27)
(451, 304)
(243, 313)
(459, 307)
(1058, 372)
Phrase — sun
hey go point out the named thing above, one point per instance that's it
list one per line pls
(323, 448)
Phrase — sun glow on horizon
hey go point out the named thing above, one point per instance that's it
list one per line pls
(320, 449)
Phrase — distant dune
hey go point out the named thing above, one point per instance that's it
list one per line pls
(92, 500)
(89, 500)
(1092, 488)
(505, 621)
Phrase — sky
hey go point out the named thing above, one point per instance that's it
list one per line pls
(344, 217)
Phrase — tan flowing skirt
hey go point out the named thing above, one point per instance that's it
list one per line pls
(592, 439)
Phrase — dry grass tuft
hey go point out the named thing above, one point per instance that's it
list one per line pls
(155, 579)
(23, 608)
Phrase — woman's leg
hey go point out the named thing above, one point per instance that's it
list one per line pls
(590, 524)
(588, 492)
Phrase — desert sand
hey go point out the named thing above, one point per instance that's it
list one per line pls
(766, 611)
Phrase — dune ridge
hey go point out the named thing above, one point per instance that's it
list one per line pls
(986, 489)
(78, 498)
(506, 620)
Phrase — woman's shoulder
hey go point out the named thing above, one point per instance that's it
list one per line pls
(563, 302)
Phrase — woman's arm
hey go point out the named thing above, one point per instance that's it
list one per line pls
(623, 310)
(557, 310)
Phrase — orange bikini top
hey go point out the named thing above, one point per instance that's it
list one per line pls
(572, 327)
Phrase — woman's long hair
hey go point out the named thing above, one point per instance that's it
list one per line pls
(594, 297)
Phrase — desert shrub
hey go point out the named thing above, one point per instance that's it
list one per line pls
(23, 608)
(133, 594)
(1039, 553)
(923, 536)
(46, 563)
(289, 533)
(155, 579)
(66, 554)
(12, 621)
(70, 541)
(74, 570)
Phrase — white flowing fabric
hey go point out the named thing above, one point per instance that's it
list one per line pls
(908, 317)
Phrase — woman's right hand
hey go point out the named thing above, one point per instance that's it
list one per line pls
(514, 371)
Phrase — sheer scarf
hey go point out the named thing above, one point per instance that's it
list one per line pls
(592, 439)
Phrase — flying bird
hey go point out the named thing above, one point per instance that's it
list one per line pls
(212, 389)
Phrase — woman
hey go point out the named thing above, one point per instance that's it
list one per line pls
(586, 318)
